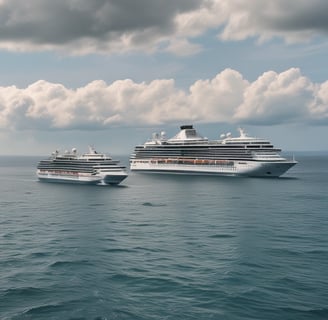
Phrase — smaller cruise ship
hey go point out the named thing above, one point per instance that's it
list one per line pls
(88, 168)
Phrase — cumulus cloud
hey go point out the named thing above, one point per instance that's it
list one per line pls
(294, 21)
(319, 106)
(277, 98)
(107, 26)
(273, 98)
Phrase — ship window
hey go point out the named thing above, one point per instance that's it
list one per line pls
(191, 133)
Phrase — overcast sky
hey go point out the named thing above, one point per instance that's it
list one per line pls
(110, 72)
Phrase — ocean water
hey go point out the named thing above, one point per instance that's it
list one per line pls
(165, 247)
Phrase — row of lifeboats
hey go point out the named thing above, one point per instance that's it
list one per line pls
(192, 161)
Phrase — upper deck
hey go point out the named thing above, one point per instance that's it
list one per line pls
(189, 136)
(188, 143)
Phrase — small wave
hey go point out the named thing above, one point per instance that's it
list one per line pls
(150, 204)
(145, 283)
(8, 203)
(286, 252)
(147, 249)
(252, 265)
(319, 312)
(20, 293)
(8, 235)
(46, 309)
(36, 255)
(96, 204)
(59, 264)
(306, 197)
(319, 252)
(222, 236)
(54, 310)
(118, 250)
(294, 283)
(123, 278)
(144, 224)
(293, 236)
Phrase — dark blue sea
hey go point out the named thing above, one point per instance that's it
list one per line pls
(165, 247)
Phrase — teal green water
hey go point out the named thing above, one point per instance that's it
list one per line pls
(165, 247)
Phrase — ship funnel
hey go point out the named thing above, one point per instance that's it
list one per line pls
(186, 127)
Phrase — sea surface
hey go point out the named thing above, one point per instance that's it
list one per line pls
(165, 246)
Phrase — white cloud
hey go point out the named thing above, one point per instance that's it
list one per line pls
(277, 98)
(294, 21)
(319, 106)
(271, 99)
(217, 99)
(107, 26)
(182, 47)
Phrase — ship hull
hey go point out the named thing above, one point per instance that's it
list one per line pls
(113, 178)
(110, 179)
(228, 168)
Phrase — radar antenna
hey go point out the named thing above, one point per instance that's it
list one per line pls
(242, 132)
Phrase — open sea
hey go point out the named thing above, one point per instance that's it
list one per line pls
(165, 246)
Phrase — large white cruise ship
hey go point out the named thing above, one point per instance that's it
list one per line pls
(88, 168)
(190, 153)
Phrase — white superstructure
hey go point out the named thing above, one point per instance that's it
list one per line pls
(189, 152)
(90, 168)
